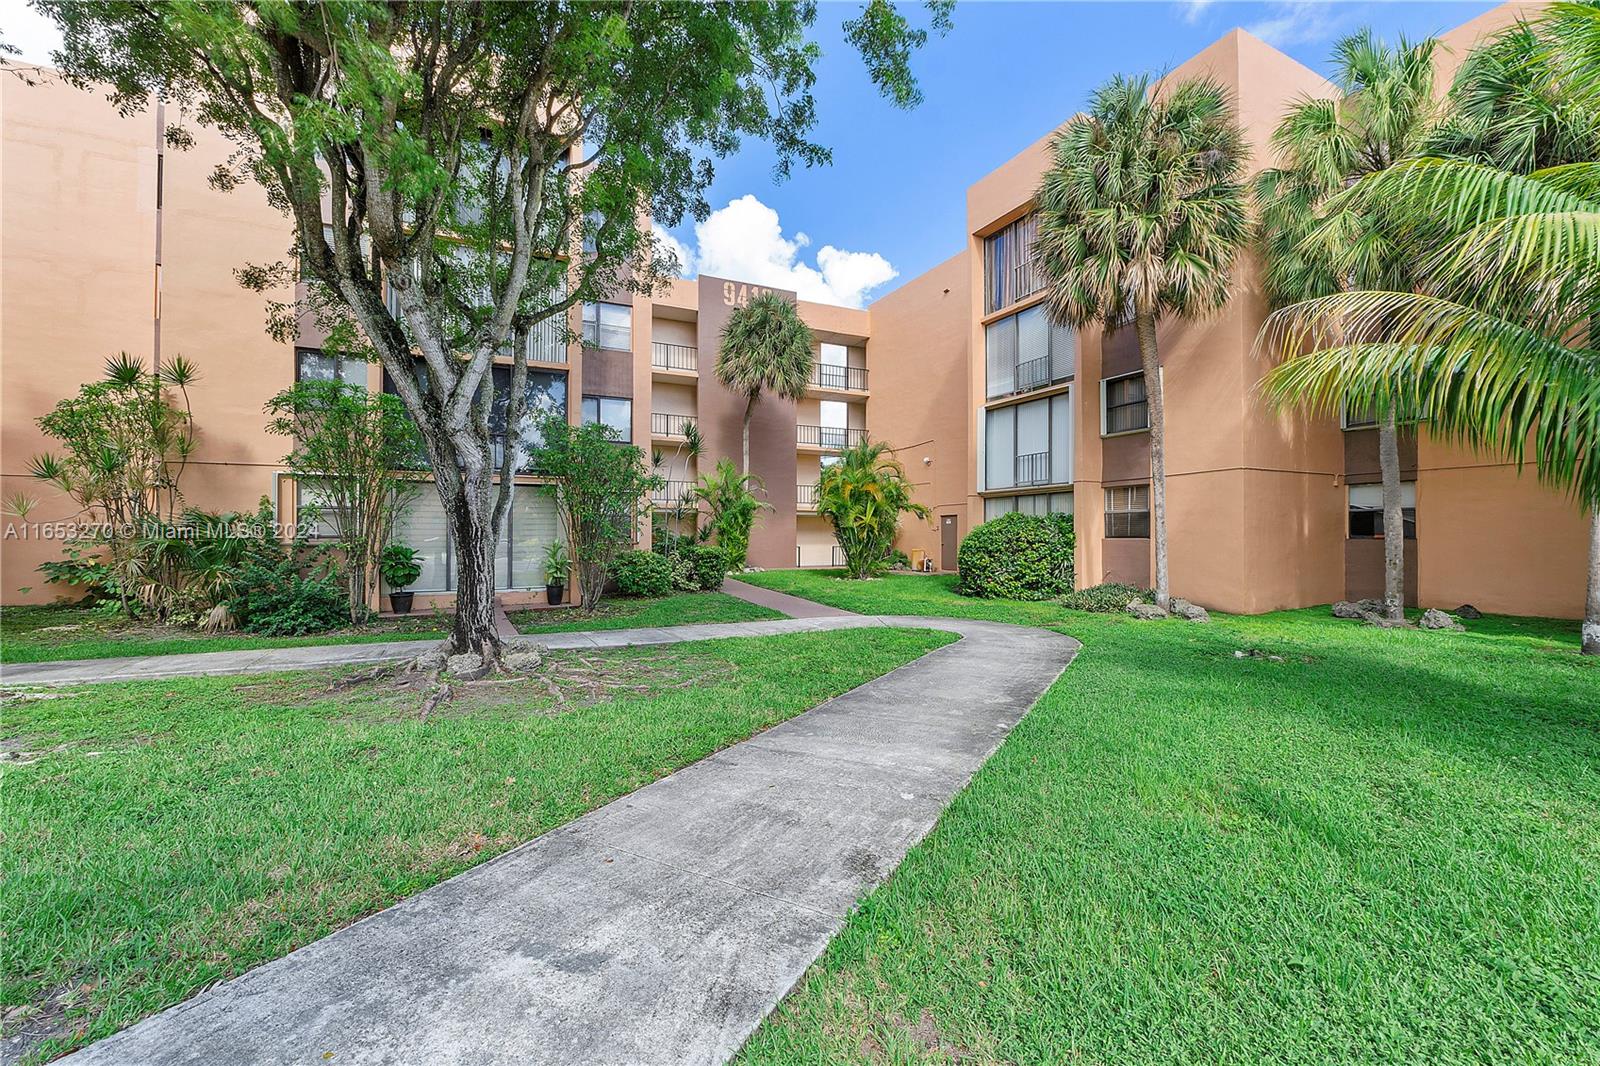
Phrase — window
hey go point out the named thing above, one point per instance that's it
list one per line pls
(315, 513)
(546, 342)
(1039, 503)
(531, 524)
(1124, 406)
(1128, 511)
(546, 392)
(608, 326)
(1026, 351)
(314, 364)
(1366, 510)
(1009, 274)
(613, 412)
(1028, 444)
(1365, 417)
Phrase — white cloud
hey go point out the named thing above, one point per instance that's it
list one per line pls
(667, 244)
(37, 35)
(745, 241)
(1290, 24)
(1193, 9)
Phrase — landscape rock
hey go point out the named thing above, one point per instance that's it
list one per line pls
(1191, 611)
(1346, 609)
(468, 666)
(1467, 611)
(1433, 618)
(1146, 611)
(432, 660)
(523, 656)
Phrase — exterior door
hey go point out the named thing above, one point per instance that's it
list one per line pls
(948, 543)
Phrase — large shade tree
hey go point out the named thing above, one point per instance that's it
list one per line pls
(443, 165)
(1500, 344)
(1141, 213)
(1315, 243)
(766, 348)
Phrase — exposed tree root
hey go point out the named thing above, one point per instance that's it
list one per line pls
(439, 695)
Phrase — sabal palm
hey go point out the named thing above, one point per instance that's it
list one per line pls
(1142, 211)
(766, 347)
(1316, 243)
(862, 496)
(1501, 345)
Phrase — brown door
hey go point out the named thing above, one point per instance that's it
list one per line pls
(948, 544)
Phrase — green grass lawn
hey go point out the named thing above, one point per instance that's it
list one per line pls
(163, 835)
(1383, 848)
(61, 631)
(620, 612)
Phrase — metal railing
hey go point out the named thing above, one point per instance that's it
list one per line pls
(805, 496)
(835, 557)
(664, 356)
(828, 437)
(665, 425)
(1033, 374)
(1033, 468)
(834, 376)
(672, 494)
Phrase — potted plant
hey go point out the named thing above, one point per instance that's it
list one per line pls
(556, 564)
(400, 566)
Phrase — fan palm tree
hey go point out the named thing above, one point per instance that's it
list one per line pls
(765, 348)
(1315, 243)
(1502, 343)
(1141, 214)
(863, 496)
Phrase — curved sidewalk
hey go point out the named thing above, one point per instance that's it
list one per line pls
(660, 928)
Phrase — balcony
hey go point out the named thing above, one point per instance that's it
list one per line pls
(670, 426)
(805, 497)
(672, 495)
(681, 357)
(838, 378)
(828, 438)
(1033, 468)
(815, 556)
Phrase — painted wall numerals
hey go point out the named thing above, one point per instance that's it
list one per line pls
(736, 295)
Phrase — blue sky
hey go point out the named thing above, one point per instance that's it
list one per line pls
(893, 203)
(1005, 75)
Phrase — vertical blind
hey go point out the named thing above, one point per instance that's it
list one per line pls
(1009, 273)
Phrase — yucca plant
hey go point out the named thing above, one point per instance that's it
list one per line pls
(1141, 213)
(1501, 344)
(862, 496)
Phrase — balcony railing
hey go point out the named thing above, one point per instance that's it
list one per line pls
(1033, 468)
(673, 494)
(1033, 374)
(665, 425)
(835, 556)
(834, 376)
(805, 496)
(832, 438)
(665, 356)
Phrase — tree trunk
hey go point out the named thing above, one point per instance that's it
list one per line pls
(1394, 524)
(469, 513)
(1149, 358)
(1591, 606)
(749, 411)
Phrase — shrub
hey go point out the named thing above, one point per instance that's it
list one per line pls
(640, 573)
(709, 565)
(683, 578)
(1015, 557)
(1110, 598)
(278, 600)
(1064, 525)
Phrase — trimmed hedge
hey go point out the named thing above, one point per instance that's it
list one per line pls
(1110, 598)
(640, 573)
(1016, 557)
(708, 564)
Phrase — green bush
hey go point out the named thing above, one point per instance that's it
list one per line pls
(708, 563)
(1015, 557)
(1064, 525)
(278, 600)
(683, 578)
(640, 573)
(1110, 598)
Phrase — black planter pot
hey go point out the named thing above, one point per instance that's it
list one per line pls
(400, 602)
(554, 594)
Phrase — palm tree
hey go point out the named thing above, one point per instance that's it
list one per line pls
(730, 498)
(765, 348)
(863, 496)
(1501, 344)
(1315, 243)
(1141, 214)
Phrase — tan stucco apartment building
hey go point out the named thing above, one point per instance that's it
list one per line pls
(112, 243)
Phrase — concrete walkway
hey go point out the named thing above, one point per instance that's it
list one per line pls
(782, 602)
(660, 928)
